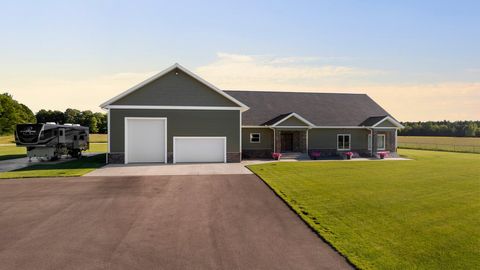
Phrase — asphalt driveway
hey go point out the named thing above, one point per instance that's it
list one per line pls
(154, 222)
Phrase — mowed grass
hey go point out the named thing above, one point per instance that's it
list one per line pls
(94, 138)
(453, 144)
(8, 139)
(98, 138)
(11, 151)
(77, 167)
(417, 214)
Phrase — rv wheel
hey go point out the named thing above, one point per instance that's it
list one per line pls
(76, 154)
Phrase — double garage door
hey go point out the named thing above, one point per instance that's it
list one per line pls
(146, 141)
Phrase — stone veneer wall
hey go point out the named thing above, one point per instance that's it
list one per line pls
(116, 158)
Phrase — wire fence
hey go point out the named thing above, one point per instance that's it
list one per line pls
(441, 147)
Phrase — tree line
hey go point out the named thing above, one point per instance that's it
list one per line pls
(97, 122)
(12, 112)
(441, 128)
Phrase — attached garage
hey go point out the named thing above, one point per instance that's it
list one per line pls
(204, 123)
(199, 149)
(145, 139)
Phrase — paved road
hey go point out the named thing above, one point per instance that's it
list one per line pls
(155, 222)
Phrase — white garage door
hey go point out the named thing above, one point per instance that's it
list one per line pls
(199, 149)
(145, 139)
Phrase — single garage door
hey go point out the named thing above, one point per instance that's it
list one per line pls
(145, 140)
(199, 149)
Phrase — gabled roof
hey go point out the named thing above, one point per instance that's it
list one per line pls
(162, 73)
(372, 120)
(320, 109)
(389, 119)
(288, 116)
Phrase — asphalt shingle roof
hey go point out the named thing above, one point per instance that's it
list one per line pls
(322, 109)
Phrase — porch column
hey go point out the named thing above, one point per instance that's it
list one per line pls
(374, 143)
(278, 141)
(396, 140)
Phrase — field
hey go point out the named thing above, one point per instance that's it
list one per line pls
(453, 144)
(417, 214)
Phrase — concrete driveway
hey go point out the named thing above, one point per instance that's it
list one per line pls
(170, 169)
(154, 222)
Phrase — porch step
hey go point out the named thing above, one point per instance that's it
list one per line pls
(295, 156)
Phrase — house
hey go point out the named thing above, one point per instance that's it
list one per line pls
(176, 116)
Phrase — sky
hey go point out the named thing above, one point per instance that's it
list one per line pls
(420, 60)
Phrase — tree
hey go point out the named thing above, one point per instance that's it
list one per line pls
(72, 116)
(97, 122)
(471, 130)
(441, 128)
(11, 113)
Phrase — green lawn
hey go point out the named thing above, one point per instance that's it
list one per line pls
(70, 168)
(11, 151)
(94, 138)
(417, 214)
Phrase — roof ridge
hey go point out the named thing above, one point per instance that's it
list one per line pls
(293, 92)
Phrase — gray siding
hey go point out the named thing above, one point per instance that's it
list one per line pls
(181, 123)
(266, 139)
(319, 138)
(175, 88)
(386, 123)
(292, 121)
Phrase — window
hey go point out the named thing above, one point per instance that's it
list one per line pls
(343, 141)
(255, 137)
(381, 141)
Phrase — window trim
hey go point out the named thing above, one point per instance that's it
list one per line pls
(259, 137)
(349, 144)
(384, 141)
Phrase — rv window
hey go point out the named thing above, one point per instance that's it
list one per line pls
(61, 132)
(74, 137)
(55, 133)
(82, 138)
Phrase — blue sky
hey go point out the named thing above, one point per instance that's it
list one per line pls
(423, 53)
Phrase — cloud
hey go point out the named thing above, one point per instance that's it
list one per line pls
(234, 71)
(407, 101)
(451, 100)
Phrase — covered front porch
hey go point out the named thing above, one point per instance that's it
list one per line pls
(291, 140)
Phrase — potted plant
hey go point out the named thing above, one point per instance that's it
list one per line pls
(382, 155)
(315, 155)
(348, 155)
(276, 156)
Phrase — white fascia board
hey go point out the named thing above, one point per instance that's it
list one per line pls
(150, 107)
(393, 121)
(293, 115)
(160, 74)
(297, 127)
(255, 127)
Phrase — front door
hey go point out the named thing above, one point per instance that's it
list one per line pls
(287, 142)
